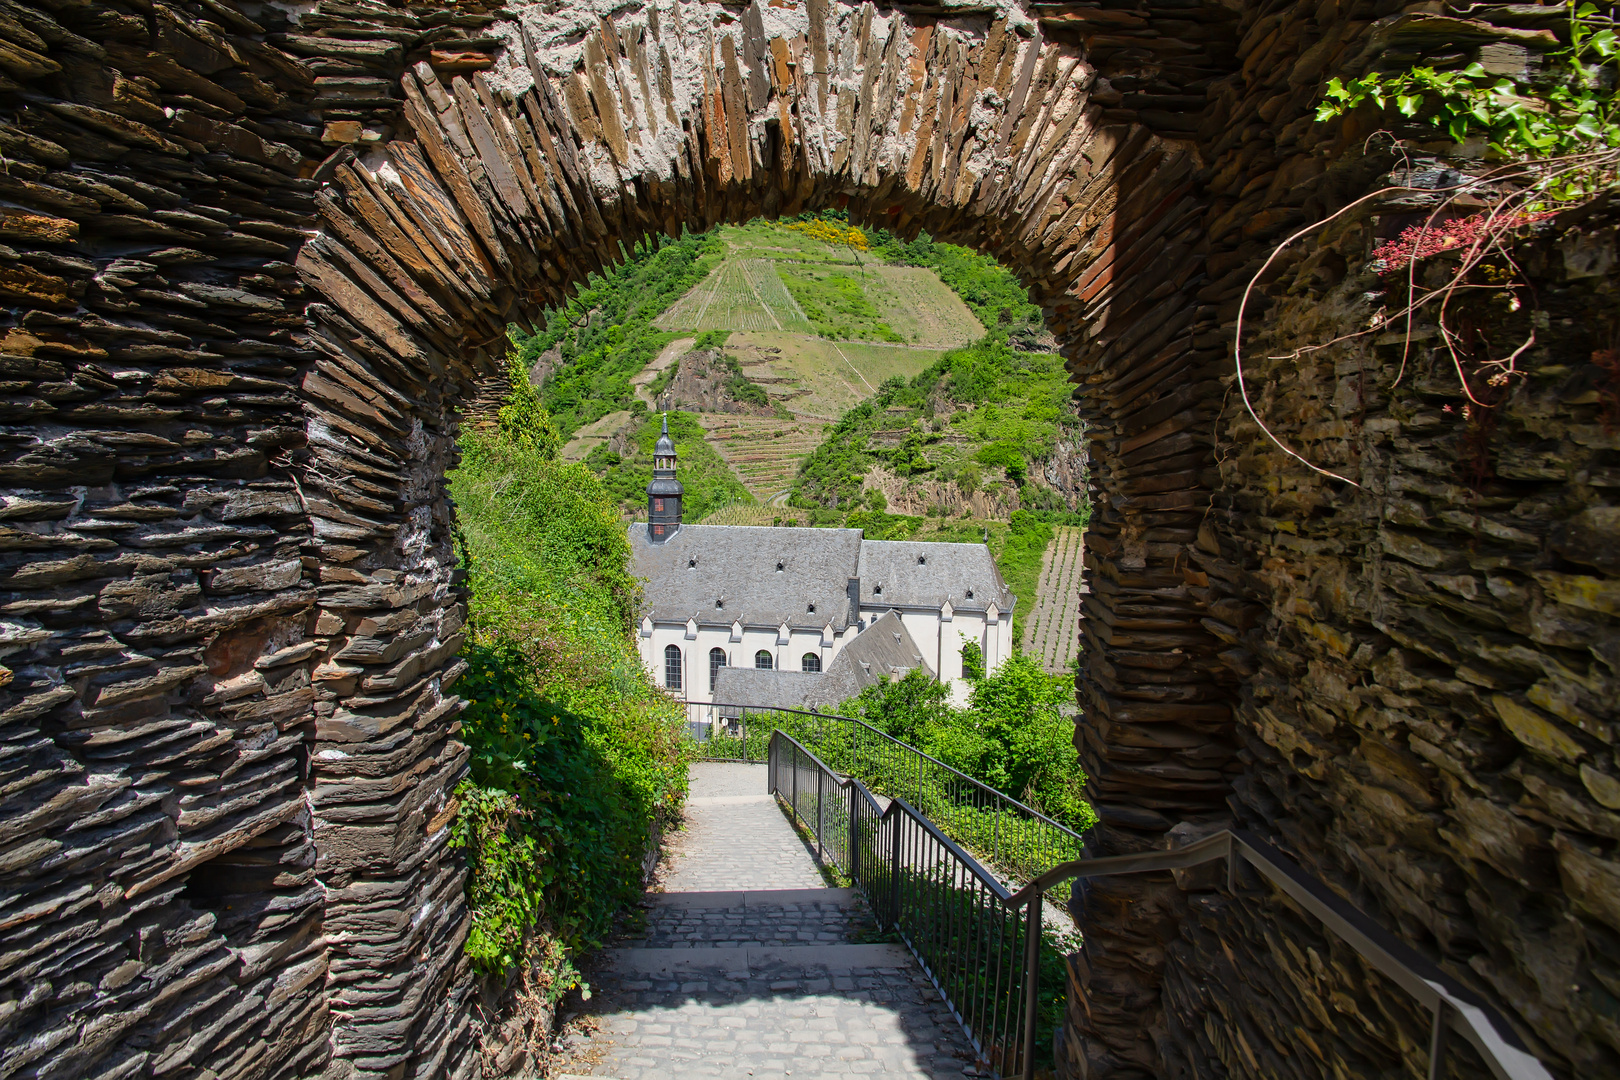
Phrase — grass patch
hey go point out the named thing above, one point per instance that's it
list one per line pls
(835, 301)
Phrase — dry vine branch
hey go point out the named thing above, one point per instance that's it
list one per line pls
(1504, 213)
(1237, 335)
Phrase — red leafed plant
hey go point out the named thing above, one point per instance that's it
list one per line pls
(1418, 242)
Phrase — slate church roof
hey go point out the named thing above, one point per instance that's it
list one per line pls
(912, 573)
(762, 575)
(767, 576)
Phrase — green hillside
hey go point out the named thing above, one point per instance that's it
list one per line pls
(606, 333)
(979, 415)
(710, 483)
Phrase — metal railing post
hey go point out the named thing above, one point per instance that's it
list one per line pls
(1437, 1040)
(821, 813)
(854, 835)
(894, 871)
(1032, 982)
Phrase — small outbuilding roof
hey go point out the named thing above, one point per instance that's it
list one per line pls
(883, 650)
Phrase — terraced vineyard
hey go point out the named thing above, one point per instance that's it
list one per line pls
(742, 294)
(764, 451)
(739, 514)
(1052, 629)
(923, 310)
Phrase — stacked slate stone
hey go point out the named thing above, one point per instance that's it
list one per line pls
(258, 261)
(186, 893)
(1423, 671)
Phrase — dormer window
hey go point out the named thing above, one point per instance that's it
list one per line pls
(877, 590)
(812, 609)
(922, 560)
(970, 594)
(718, 604)
(692, 562)
(780, 567)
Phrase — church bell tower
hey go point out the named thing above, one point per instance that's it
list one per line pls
(664, 494)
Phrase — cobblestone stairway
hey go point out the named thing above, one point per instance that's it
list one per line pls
(750, 966)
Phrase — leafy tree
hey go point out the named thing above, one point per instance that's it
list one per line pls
(1014, 734)
(900, 707)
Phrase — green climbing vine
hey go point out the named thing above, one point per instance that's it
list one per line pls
(1569, 107)
(1554, 136)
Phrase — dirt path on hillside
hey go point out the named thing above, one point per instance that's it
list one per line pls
(676, 348)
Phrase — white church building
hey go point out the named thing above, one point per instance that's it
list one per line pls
(802, 617)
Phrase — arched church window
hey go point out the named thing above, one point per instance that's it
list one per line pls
(717, 660)
(810, 662)
(762, 660)
(672, 667)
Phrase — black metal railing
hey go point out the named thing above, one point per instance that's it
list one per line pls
(981, 944)
(1453, 1008)
(1016, 839)
(980, 948)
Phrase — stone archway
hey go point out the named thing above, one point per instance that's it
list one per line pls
(590, 132)
(255, 264)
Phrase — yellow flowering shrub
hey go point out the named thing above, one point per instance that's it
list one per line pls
(832, 232)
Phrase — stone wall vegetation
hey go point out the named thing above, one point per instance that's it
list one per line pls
(257, 256)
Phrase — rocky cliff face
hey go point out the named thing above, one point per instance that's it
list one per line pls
(255, 261)
(705, 381)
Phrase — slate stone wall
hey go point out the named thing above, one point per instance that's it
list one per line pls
(255, 261)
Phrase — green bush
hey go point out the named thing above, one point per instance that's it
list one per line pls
(1012, 736)
(1005, 455)
(575, 755)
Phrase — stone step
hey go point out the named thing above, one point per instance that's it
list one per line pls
(750, 898)
(755, 961)
(774, 918)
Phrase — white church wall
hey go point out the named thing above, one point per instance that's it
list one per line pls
(695, 652)
(939, 642)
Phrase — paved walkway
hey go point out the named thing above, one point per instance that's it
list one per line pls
(750, 966)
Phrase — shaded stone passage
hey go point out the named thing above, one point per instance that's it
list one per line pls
(762, 976)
